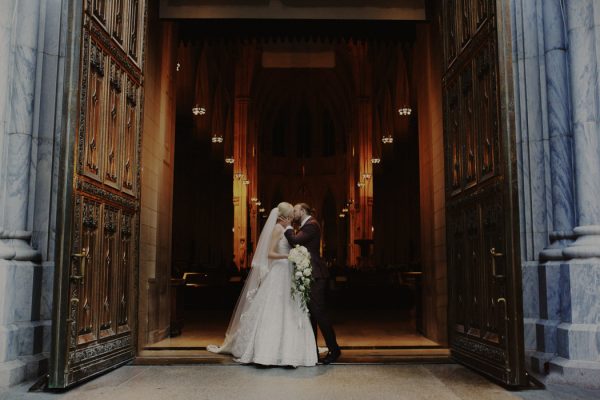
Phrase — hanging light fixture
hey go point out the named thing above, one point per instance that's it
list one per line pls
(197, 110)
(342, 215)
(217, 138)
(375, 160)
(388, 139)
(229, 160)
(345, 210)
(405, 110)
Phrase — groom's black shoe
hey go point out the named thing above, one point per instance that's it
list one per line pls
(332, 356)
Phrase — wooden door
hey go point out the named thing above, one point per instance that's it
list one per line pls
(94, 322)
(485, 307)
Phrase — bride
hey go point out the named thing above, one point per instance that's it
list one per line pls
(268, 326)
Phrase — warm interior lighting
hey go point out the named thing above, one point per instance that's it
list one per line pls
(246, 182)
(197, 110)
(366, 177)
(342, 215)
(388, 139)
(345, 209)
(217, 139)
(405, 110)
(229, 160)
(360, 184)
(375, 160)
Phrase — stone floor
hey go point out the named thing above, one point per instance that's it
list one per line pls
(368, 327)
(347, 382)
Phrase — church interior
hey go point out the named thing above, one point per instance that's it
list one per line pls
(342, 115)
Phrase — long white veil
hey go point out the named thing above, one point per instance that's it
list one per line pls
(260, 267)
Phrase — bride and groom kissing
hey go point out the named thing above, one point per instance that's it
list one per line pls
(269, 325)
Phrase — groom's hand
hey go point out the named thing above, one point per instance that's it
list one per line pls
(285, 222)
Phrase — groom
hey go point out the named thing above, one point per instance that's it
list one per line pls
(309, 236)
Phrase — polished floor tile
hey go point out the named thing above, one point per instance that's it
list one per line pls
(354, 328)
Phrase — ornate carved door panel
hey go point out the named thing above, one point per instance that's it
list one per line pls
(485, 317)
(95, 296)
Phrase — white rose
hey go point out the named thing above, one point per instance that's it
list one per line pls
(301, 288)
(299, 274)
(306, 272)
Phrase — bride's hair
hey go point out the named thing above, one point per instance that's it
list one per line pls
(285, 209)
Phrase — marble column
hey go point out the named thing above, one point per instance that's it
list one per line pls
(583, 65)
(24, 311)
(244, 73)
(240, 186)
(559, 127)
(577, 295)
(365, 169)
(561, 173)
(19, 130)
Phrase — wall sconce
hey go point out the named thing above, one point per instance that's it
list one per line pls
(229, 160)
(197, 110)
(238, 175)
(254, 199)
(246, 182)
(342, 215)
(366, 177)
(360, 185)
(375, 160)
(217, 139)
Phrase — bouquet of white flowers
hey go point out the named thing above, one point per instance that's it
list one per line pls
(302, 276)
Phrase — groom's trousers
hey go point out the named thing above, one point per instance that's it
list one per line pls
(318, 313)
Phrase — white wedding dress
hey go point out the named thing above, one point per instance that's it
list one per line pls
(272, 328)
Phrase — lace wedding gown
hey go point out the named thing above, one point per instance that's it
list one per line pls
(273, 330)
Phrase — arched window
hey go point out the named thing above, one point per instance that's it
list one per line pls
(328, 135)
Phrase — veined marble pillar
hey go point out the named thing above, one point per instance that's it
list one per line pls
(577, 294)
(583, 64)
(19, 38)
(19, 113)
(23, 314)
(559, 127)
(562, 187)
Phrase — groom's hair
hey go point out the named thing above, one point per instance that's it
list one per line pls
(306, 207)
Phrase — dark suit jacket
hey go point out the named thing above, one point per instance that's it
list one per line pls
(309, 236)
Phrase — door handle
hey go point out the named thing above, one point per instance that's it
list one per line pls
(495, 254)
(83, 257)
(506, 321)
